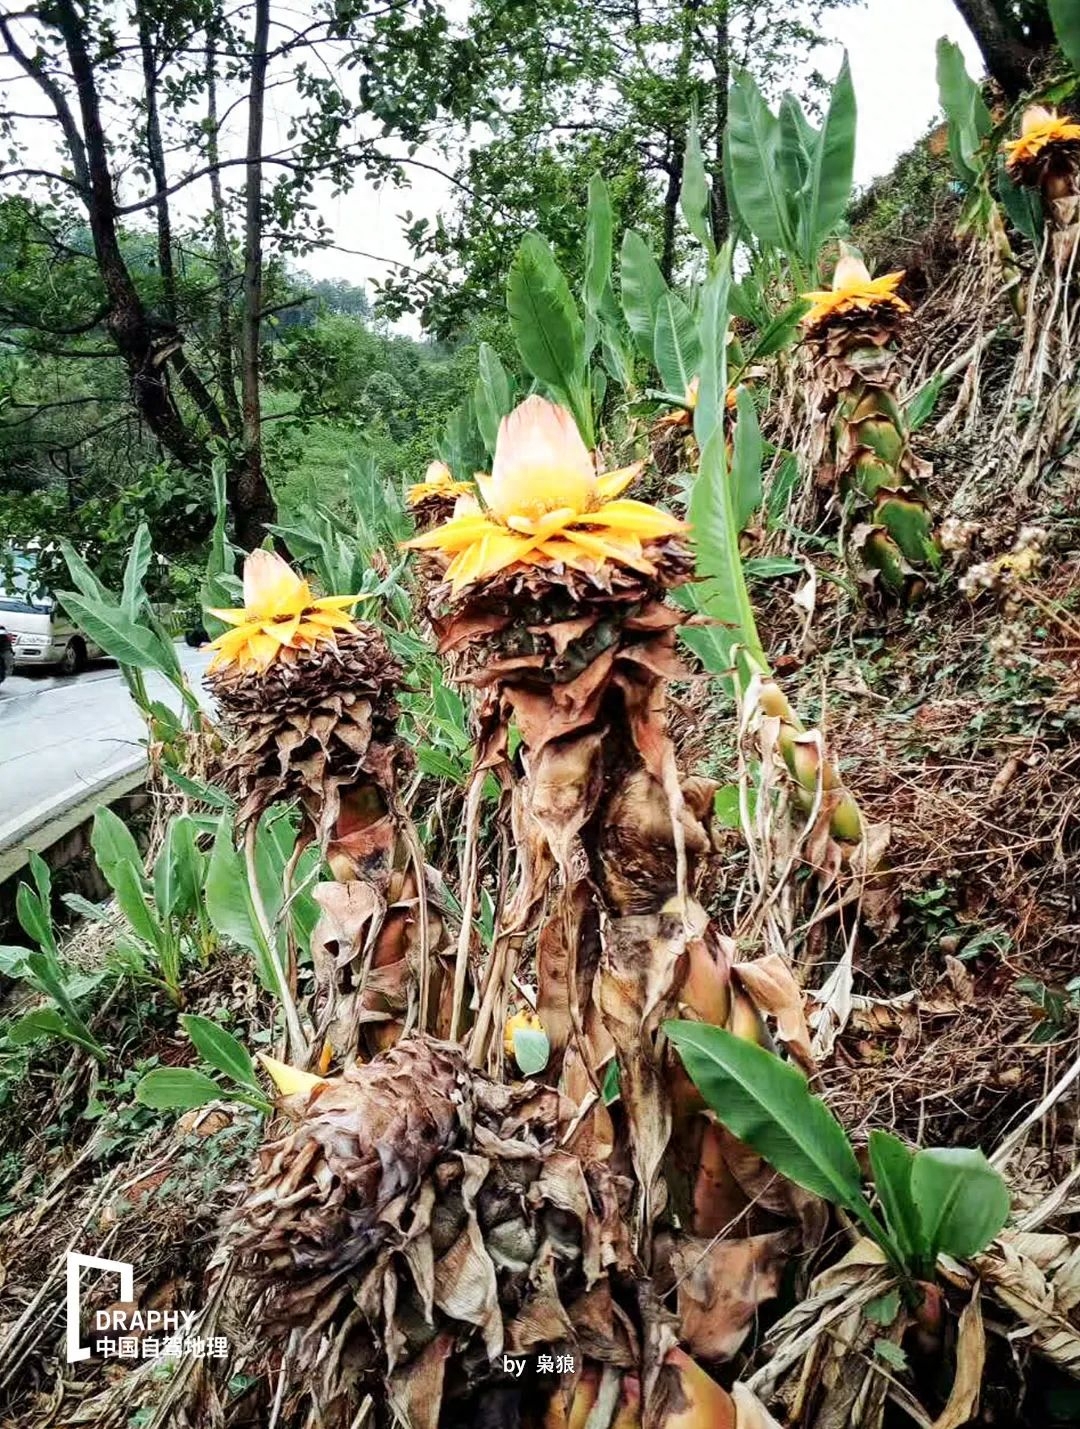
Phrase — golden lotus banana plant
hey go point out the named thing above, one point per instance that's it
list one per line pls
(553, 608)
(852, 331)
(1046, 157)
(432, 500)
(421, 1214)
(310, 695)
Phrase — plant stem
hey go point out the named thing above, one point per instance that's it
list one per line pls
(297, 1040)
(881, 1236)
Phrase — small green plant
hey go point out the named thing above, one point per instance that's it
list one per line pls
(45, 972)
(248, 902)
(183, 1088)
(128, 629)
(1056, 1008)
(940, 1200)
(165, 914)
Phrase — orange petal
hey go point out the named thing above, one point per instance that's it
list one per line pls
(494, 552)
(626, 551)
(230, 617)
(281, 631)
(338, 602)
(262, 648)
(229, 646)
(456, 534)
(318, 623)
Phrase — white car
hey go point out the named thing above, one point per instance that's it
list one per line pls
(39, 631)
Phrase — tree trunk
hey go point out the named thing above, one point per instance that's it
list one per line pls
(155, 149)
(222, 256)
(1037, 25)
(254, 508)
(676, 147)
(145, 347)
(1009, 58)
(676, 142)
(156, 154)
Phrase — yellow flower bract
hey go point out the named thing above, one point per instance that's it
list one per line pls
(546, 506)
(279, 613)
(1039, 133)
(438, 481)
(853, 291)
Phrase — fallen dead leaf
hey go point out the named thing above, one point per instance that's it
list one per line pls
(963, 1400)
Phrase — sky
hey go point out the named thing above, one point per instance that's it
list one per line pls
(890, 44)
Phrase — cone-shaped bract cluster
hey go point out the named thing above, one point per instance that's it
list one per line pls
(312, 728)
(853, 333)
(432, 500)
(414, 1198)
(418, 1220)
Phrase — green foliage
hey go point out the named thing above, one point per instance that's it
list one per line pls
(969, 121)
(1066, 21)
(339, 543)
(790, 182)
(936, 1201)
(247, 906)
(45, 972)
(766, 1103)
(596, 282)
(493, 395)
(695, 196)
(165, 922)
(1056, 1008)
(642, 289)
(676, 345)
(718, 503)
(921, 407)
(549, 331)
(176, 1089)
(127, 627)
(183, 1088)
(1023, 206)
(221, 587)
(532, 1050)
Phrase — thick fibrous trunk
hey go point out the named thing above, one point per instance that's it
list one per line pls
(865, 452)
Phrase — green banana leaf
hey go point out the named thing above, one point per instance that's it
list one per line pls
(548, 330)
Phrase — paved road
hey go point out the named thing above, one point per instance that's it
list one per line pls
(61, 738)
